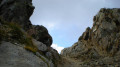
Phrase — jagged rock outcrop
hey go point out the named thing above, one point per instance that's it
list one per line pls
(21, 43)
(41, 34)
(99, 45)
(18, 11)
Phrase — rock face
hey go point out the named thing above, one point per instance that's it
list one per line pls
(17, 11)
(21, 43)
(39, 45)
(100, 45)
(12, 55)
(41, 34)
(25, 45)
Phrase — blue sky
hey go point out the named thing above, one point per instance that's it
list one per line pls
(66, 20)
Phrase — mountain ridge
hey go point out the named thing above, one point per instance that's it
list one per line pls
(24, 44)
(99, 45)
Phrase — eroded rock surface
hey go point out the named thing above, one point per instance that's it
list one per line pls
(25, 45)
(18, 11)
(41, 34)
(21, 43)
(12, 55)
(100, 45)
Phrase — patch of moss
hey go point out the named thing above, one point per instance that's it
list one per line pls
(29, 44)
(30, 48)
(22, 37)
(28, 40)
(86, 63)
(3, 33)
(19, 35)
(16, 32)
(13, 33)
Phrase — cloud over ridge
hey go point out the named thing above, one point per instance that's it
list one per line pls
(57, 47)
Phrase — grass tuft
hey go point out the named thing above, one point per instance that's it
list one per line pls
(30, 48)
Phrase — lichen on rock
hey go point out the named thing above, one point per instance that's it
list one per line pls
(99, 42)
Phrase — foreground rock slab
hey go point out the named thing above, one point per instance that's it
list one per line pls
(15, 56)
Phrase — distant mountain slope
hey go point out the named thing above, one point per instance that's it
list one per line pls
(99, 45)
(25, 45)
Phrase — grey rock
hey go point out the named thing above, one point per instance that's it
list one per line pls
(15, 56)
(41, 34)
(49, 55)
(100, 45)
(74, 51)
(47, 61)
(18, 11)
(54, 53)
(39, 45)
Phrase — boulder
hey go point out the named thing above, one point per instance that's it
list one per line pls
(41, 34)
(42, 47)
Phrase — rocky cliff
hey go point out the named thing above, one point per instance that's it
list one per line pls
(25, 45)
(99, 45)
(17, 11)
(21, 43)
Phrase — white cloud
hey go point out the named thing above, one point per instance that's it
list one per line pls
(49, 25)
(58, 48)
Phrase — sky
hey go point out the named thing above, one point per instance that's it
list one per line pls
(66, 20)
